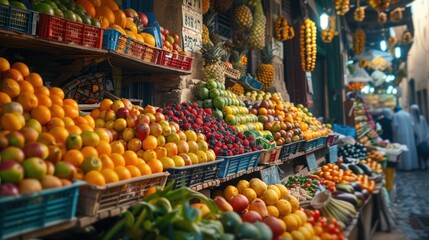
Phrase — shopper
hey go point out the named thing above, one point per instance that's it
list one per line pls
(421, 133)
(385, 121)
(403, 133)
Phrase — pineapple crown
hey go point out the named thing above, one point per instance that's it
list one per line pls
(267, 54)
(212, 53)
(209, 20)
(236, 54)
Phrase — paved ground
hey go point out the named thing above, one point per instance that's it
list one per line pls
(410, 199)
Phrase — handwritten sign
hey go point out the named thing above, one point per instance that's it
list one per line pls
(277, 48)
(192, 19)
(270, 175)
(311, 161)
(196, 5)
(192, 40)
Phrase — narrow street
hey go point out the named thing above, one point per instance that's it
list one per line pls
(410, 207)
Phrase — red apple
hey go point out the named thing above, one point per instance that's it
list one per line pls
(275, 225)
(222, 204)
(122, 113)
(166, 32)
(143, 118)
(251, 216)
(8, 189)
(162, 38)
(142, 130)
(176, 38)
(130, 13)
(36, 149)
(239, 203)
(132, 121)
(143, 18)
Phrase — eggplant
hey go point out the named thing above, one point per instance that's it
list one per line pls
(345, 188)
(356, 186)
(365, 193)
(365, 168)
(355, 169)
(348, 197)
(360, 196)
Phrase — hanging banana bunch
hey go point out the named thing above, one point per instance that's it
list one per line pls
(282, 30)
(396, 14)
(406, 38)
(342, 6)
(363, 63)
(329, 33)
(359, 41)
(308, 45)
(382, 17)
(359, 14)
(379, 5)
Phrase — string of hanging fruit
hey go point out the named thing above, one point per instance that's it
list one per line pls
(308, 46)
(359, 39)
(396, 14)
(379, 5)
(342, 6)
(282, 30)
(406, 38)
(359, 14)
(329, 32)
(382, 17)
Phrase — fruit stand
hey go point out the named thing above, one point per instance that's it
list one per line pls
(237, 161)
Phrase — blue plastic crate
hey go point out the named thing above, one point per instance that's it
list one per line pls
(19, 20)
(251, 82)
(321, 141)
(238, 163)
(25, 213)
(192, 175)
(310, 145)
(290, 149)
(115, 41)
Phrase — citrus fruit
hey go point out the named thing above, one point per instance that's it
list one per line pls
(110, 175)
(249, 193)
(276, 189)
(130, 158)
(134, 144)
(95, 178)
(117, 147)
(57, 111)
(91, 163)
(283, 190)
(150, 143)
(89, 151)
(4, 99)
(135, 171)
(118, 159)
(229, 192)
(41, 114)
(10, 122)
(293, 202)
(60, 134)
(4, 64)
(71, 102)
(284, 207)
(155, 165)
(27, 100)
(291, 222)
(74, 141)
(25, 86)
(259, 186)
(167, 162)
(242, 184)
(123, 172)
(273, 211)
(10, 87)
(35, 79)
(90, 138)
(105, 104)
(104, 148)
(56, 91)
(106, 161)
(22, 68)
(74, 157)
(144, 168)
(90, 9)
(13, 74)
(42, 90)
(55, 122)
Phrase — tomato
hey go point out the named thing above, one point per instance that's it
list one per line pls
(323, 221)
(316, 214)
(331, 228)
(310, 220)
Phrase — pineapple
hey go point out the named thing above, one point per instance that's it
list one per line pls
(243, 17)
(257, 36)
(253, 3)
(206, 6)
(237, 88)
(206, 37)
(209, 21)
(223, 5)
(214, 68)
(236, 61)
(265, 71)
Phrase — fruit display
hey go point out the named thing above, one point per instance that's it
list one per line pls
(256, 201)
(359, 14)
(223, 139)
(243, 17)
(265, 70)
(329, 206)
(376, 156)
(257, 35)
(379, 5)
(329, 33)
(214, 68)
(359, 41)
(342, 7)
(333, 172)
(323, 227)
(282, 30)
(308, 46)
(355, 86)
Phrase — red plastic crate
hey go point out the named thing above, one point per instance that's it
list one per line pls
(136, 48)
(150, 54)
(62, 30)
(175, 61)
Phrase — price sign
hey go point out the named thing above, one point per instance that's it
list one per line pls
(311, 161)
(196, 5)
(192, 19)
(192, 41)
(270, 175)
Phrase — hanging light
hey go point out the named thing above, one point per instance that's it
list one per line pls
(324, 19)
(394, 91)
(397, 52)
(383, 45)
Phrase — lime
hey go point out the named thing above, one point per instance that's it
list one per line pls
(214, 93)
(219, 103)
(91, 163)
(208, 103)
(52, 4)
(95, 22)
(78, 18)
(17, 4)
(44, 8)
(211, 84)
(203, 93)
(58, 13)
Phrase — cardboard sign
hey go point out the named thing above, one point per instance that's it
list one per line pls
(192, 40)
(192, 19)
(311, 161)
(270, 175)
(196, 5)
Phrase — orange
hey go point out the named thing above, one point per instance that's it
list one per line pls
(27, 100)
(41, 114)
(105, 104)
(10, 122)
(104, 148)
(4, 64)
(144, 168)
(55, 122)
(120, 18)
(110, 175)
(46, 138)
(44, 100)
(123, 172)
(42, 90)
(107, 161)
(117, 159)
(95, 3)
(149, 39)
(57, 111)
(70, 111)
(105, 12)
(68, 121)
(130, 158)
(150, 191)
(110, 4)
(22, 68)
(89, 151)
(90, 138)
(86, 127)
(4, 98)
(74, 129)
(10, 87)
(104, 22)
(57, 92)
(35, 79)
(135, 172)
(149, 143)
(95, 178)
(74, 157)
(130, 25)
(79, 120)
(155, 165)
(25, 86)
(71, 102)
(134, 144)
(117, 147)
(90, 120)
(90, 9)
(60, 134)
(55, 99)
(13, 73)
(95, 113)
